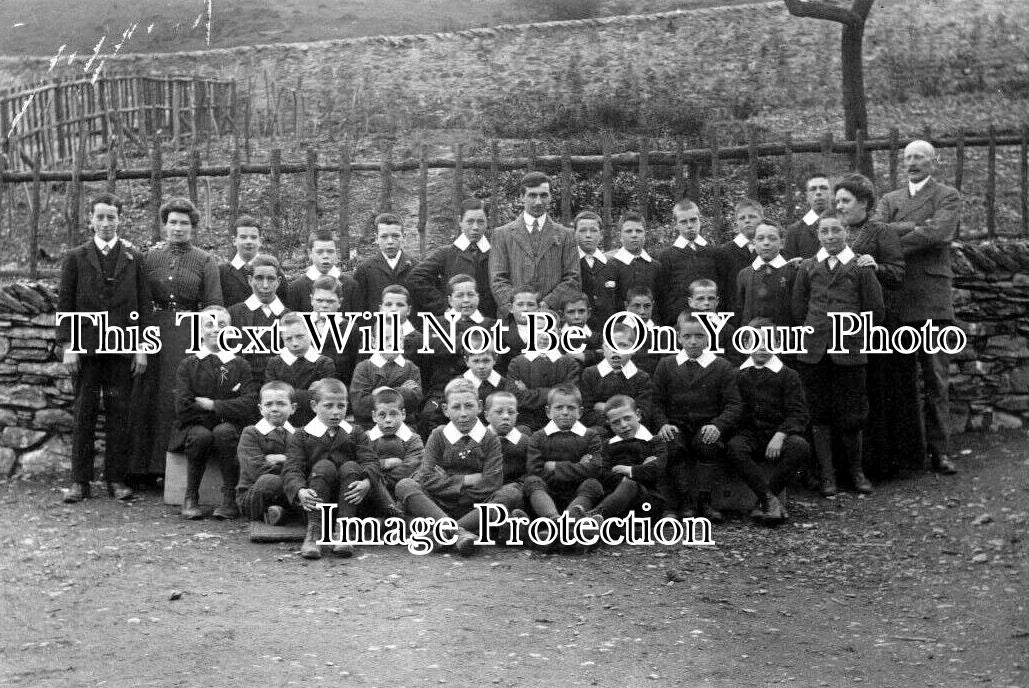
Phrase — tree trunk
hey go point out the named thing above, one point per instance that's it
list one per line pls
(855, 116)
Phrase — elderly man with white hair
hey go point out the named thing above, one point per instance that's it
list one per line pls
(925, 215)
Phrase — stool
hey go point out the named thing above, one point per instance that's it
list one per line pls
(175, 480)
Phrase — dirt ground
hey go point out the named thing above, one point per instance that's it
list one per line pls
(922, 584)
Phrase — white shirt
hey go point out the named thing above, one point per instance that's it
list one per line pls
(493, 379)
(705, 359)
(237, 262)
(475, 317)
(810, 218)
(585, 329)
(844, 256)
(313, 273)
(316, 428)
(378, 360)
(628, 370)
(462, 243)
(223, 356)
(533, 355)
(776, 262)
(529, 219)
(264, 427)
(623, 255)
(682, 242)
(309, 355)
(514, 437)
(276, 307)
(392, 262)
(914, 188)
(551, 427)
(592, 257)
(774, 364)
(452, 434)
(403, 432)
(641, 434)
(742, 241)
(104, 247)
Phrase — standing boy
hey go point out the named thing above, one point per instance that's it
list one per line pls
(689, 258)
(261, 309)
(321, 249)
(391, 265)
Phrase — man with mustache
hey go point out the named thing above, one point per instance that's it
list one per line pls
(535, 251)
(926, 216)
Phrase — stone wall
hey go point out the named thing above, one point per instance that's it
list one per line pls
(989, 390)
(756, 52)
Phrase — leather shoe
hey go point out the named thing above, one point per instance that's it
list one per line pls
(942, 465)
(274, 515)
(119, 491)
(76, 493)
(191, 509)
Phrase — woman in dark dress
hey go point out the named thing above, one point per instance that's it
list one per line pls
(182, 278)
(893, 437)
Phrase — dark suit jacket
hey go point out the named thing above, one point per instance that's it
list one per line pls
(551, 265)
(801, 240)
(926, 290)
(84, 288)
(236, 285)
(374, 274)
(234, 395)
(298, 294)
(428, 280)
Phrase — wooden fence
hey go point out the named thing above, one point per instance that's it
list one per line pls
(65, 121)
(683, 167)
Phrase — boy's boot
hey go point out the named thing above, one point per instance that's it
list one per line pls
(310, 548)
(852, 444)
(228, 509)
(705, 485)
(822, 437)
(195, 466)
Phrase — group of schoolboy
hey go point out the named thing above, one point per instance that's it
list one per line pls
(547, 432)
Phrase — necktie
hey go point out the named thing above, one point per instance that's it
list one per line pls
(692, 245)
(535, 226)
(332, 433)
(833, 262)
(105, 250)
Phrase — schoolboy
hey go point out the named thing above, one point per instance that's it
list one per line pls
(739, 252)
(832, 281)
(640, 302)
(501, 412)
(482, 375)
(391, 265)
(260, 310)
(689, 258)
(326, 299)
(397, 299)
(771, 428)
(215, 396)
(330, 460)
(235, 275)
(801, 240)
(467, 255)
(386, 368)
(462, 466)
(524, 299)
(398, 447)
(631, 265)
(598, 279)
(575, 312)
(564, 459)
(261, 453)
(615, 374)
(634, 464)
(765, 287)
(696, 405)
(298, 365)
(324, 256)
(704, 299)
(533, 374)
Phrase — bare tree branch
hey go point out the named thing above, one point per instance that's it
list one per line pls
(816, 9)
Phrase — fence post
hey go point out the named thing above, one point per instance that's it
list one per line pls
(36, 212)
(566, 183)
(423, 198)
(959, 167)
(494, 174)
(112, 166)
(643, 181)
(827, 161)
(716, 187)
(751, 162)
(234, 184)
(75, 197)
(155, 187)
(606, 182)
(192, 173)
(532, 156)
(788, 181)
(312, 189)
(991, 185)
(1024, 177)
(344, 199)
(275, 190)
(894, 145)
(679, 185)
(386, 185)
(458, 178)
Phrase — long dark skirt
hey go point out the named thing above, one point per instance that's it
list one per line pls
(153, 399)
(894, 437)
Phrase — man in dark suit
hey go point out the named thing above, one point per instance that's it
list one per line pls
(103, 275)
(925, 216)
(802, 236)
(534, 251)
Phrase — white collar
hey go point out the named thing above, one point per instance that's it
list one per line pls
(743, 242)
(628, 370)
(462, 243)
(533, 355)
(523, 331)
(378, 360)
(275, 307)
(264, 427)
(844, 256)
(313, 273)
(309, 355)
(529, 219)
(584, 328)
(810, 218)
(705, 359)
(453, 434)
(238, 262)
(514, 437)
(105, 244)
(776, 262)
(624, 256)
(316, 428)
(915, 188)
(475, 317)
(774, 364)
(577, 429)
(392, 262)
(641, 434)
(223, 356)
(596, 255)
(406, 328)
(403, 432)
(682, 242)
(493, 379)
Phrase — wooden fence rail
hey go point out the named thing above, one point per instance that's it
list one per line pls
(63, 120)
(322, 169)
